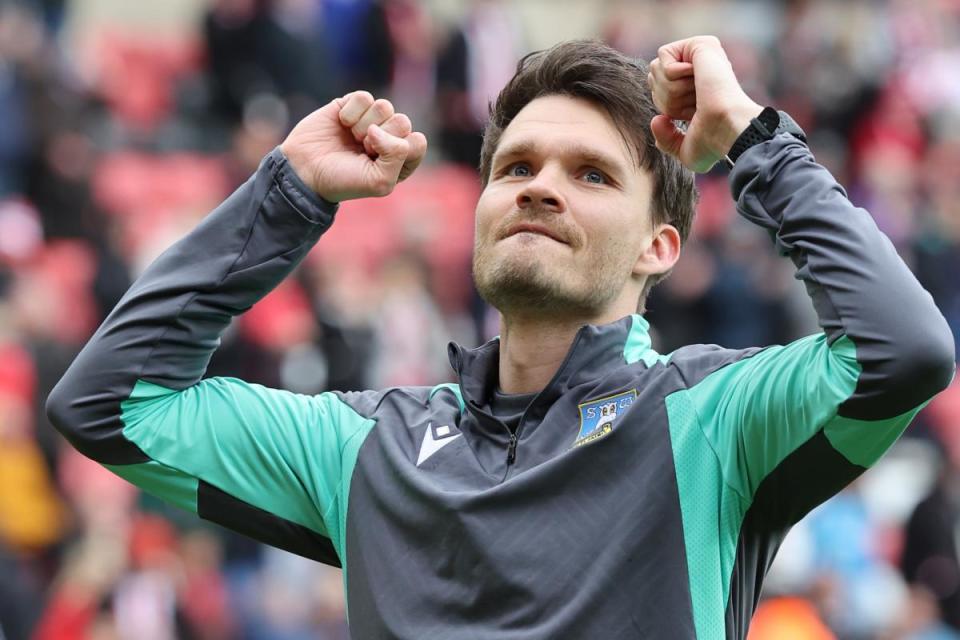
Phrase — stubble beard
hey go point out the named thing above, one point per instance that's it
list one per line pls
(522, 284)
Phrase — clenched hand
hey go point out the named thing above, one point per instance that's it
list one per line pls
(354, 147)
(692, 80)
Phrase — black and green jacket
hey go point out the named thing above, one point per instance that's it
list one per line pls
(643, 495)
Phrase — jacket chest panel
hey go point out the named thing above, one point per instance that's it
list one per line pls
(566, 532)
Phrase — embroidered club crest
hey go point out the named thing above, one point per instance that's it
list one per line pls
(597, 417)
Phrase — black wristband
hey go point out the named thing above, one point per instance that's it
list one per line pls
(765, 126)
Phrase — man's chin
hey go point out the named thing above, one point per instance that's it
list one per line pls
(529, 291)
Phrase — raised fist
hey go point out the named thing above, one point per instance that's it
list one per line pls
(354, 147)
(692, 80)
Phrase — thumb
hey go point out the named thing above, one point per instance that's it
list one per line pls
(668, 137)
(391, 153)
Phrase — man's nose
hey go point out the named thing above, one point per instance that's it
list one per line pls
(542, 192)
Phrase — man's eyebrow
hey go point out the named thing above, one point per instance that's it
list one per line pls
(589, 155)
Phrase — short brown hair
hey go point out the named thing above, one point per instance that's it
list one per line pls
(592, 70)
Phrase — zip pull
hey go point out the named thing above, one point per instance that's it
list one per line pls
(512, 449)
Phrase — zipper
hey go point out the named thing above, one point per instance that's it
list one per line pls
(512, 449)
(514, 437)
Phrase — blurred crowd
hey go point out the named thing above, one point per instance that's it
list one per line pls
(113, 143)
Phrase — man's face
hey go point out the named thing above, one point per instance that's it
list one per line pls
(565, 213)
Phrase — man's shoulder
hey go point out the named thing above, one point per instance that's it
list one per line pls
(370, 403)
(697, 361)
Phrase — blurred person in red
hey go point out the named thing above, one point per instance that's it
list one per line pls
(574, 482)
(134, 576)
(32, 516)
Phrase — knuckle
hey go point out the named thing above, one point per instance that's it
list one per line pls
(418, 149)
(383, 108)
(679, 93)
(383, 186)
(402, 123)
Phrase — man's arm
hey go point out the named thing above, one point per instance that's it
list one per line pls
(266, 462)
(884, 352)
(836, 400)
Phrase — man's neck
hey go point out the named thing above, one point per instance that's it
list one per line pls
(532, 349)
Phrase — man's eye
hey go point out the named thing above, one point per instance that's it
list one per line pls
(518, 170)
(595, 177)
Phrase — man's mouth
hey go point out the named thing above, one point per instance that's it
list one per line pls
(530, 227)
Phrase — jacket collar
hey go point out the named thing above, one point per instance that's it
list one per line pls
(595, 349)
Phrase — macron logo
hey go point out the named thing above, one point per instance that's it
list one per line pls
(434, 439)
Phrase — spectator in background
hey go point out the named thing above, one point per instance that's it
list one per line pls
(931, 554)
(413, 66)
(250, 45)
(32, 516)
(21, 596)
(21, 42)
(411, 337)
(937, 243)
(477, 60)
(358, 36)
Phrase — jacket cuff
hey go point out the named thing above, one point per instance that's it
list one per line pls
(302, 198)
(762, 160)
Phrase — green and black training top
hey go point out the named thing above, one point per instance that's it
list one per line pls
(639, 495)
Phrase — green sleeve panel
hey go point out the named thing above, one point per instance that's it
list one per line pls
(756, 411)
(711, 513)
(749, 426)
(285, 453)
(174, 486)
(862, 442)
(731, 430)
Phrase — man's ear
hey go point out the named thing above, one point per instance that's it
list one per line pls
(662, 252)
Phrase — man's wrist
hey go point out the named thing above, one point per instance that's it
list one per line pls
(735, 122)
(308, 202)
(765, 126)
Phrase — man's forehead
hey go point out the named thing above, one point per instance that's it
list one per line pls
(568, 125)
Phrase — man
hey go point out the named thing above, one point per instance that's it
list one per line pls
(493, 508)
